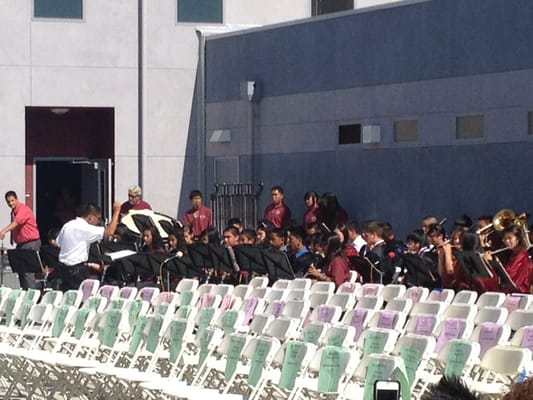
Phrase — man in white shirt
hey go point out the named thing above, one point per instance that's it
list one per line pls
(75, 239)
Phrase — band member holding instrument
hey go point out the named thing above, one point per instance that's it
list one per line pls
(446, 266)
(375, 251)
(519, 267)
(336, 262)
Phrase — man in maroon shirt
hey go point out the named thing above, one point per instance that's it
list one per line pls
(135, 201)
(199, 216)
(277, 212)
(24, 232)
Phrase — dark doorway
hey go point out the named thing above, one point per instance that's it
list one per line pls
(69, 153)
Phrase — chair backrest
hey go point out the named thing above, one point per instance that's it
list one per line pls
(259, 282)
(516, 301)
(326, 313)
(148, 293)
(506, 361)
(457, 356)
(314, 331)
(281, 284)
(444, 295)
(370, 302)
(348, 287)
(296, 309)
(292, 358)
(377, 340)
(417, 294)
(301, 283)
(523, 337)
(391, 291)
(282, 328)
(242, 291)
(497, 315)
(388, 319)
(128, 292)
(222, 289)
(108, 291)
(428, 307)
(338, 335)
(259, 322)
(187, 284)
(368, 289)
(490, 334)
(519, 318)
(275, 294)
(400, 304)
(464, 311)
(422, 324)
(452, 328)
(89, 287)
(328, 287)
(358, 318)
(318, 298)
(346, 301)
(53, 297)
(465, 296)
(490, 299)
(330, 375)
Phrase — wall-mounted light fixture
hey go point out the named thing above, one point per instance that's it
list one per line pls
(60, 110)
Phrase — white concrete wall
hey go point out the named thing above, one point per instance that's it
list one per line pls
(93, 63)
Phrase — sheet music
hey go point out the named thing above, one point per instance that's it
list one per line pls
(115, 255)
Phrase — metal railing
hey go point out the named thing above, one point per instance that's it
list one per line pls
(235, 200)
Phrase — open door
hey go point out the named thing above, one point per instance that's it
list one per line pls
(63, 185)
(96, 184)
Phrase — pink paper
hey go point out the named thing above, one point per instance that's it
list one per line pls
(425, 324)
(207, 300)
(106, 291)
(325, 313)
(348, 287)
(370, 290)
(387, 318)
(147, 294)
(279, 305)
(512, 302)
(227, 302)
(414, 294)
(451, 330)
(249, 309)
(358, 318)
(488, 336)
(527, 338)
(87, 290)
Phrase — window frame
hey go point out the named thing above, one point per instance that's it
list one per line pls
(58, 18)
(177, 14)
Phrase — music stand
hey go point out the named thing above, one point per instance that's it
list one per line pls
(419, 270)
(25, 261)
(138, 264)
(366, 268)
(221, 258)
(200, 256)
(472, 264)
(277, 264)
(250, 258)
(500, 270)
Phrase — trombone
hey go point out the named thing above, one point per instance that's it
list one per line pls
(502, 220)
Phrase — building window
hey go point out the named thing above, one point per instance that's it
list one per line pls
(200, 11)
(349, 134)
(320, 7)
(58, 9)
(406, 130)
(469, 127)
(530, 122)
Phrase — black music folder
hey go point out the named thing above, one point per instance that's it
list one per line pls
(277, 265)
(25, 261)
(250, 258)
(472, 264)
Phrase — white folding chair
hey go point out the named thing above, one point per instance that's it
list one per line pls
(465, 296)
(490, 299)
(89, 287)
(400, 304)
(259, 282)
(346, 301)
(490, 334)
(497, 315)
(417, 294)
(370, 302)
(444, 295)
(187, 285)
(391, 291)
(519, 318)
(464, 311)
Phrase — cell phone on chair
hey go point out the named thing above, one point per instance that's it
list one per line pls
(386, 390)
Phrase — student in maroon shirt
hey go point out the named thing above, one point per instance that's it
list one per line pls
(199, 216)
(277, 212)
(311, 214)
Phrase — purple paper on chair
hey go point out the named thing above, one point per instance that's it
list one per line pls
(512, 302)
(279, 305)
(358, 318)
(451, 330)
(227, 302)
(488, 336)
(425, 324)
(325, 313)
(527, 338)
(387, 318)
(249, 309)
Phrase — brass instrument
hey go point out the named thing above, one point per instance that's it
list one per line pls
(505, 218)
